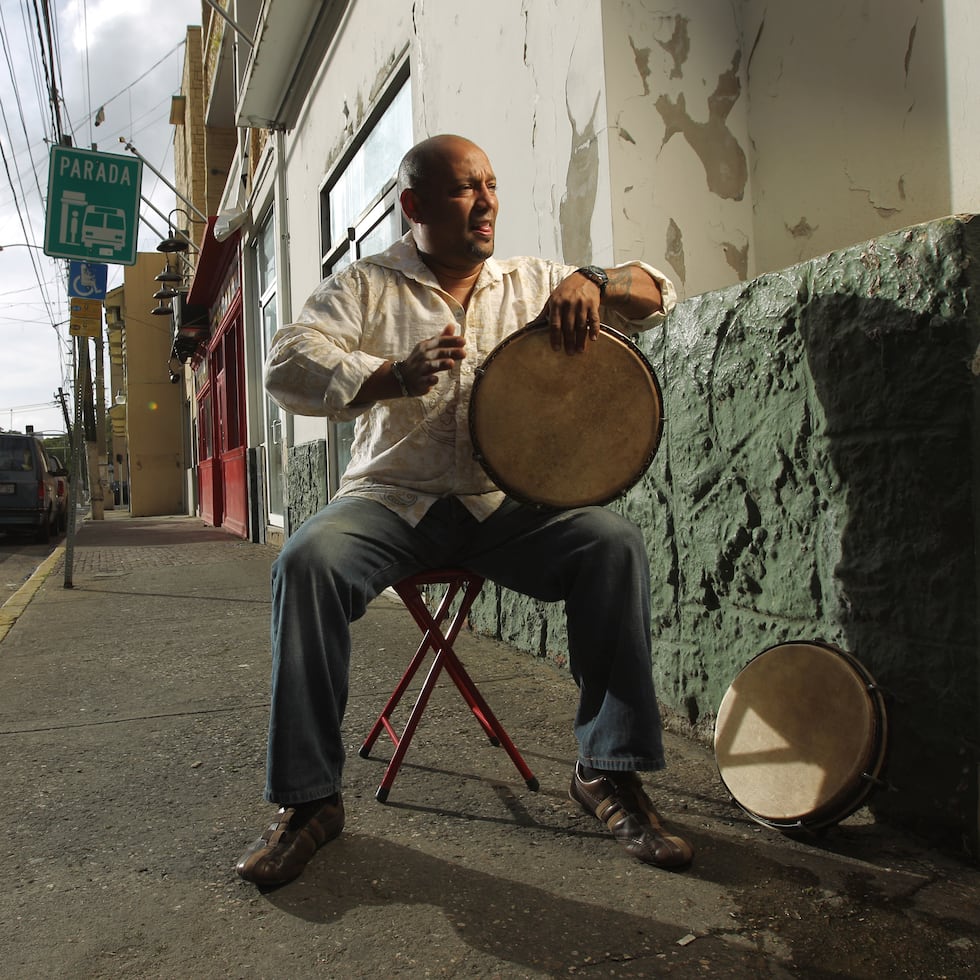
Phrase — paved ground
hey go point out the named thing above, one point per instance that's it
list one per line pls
(132, 726)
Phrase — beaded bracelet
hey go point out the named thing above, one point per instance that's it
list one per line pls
(396, 370)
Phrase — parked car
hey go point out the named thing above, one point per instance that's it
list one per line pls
(61, 487)
(28, 486)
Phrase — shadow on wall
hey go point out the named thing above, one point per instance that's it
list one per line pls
(899, 428)
(818, 481)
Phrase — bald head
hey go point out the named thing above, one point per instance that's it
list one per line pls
(426, 161)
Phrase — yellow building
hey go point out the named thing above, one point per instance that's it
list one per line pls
(146, 411)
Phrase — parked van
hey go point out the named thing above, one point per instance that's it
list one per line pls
(28, 487)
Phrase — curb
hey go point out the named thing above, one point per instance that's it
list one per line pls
(11, 610)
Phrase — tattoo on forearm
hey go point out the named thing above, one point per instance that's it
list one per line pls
(621, 283)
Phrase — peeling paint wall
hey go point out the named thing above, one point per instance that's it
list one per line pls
(716, 140)
(525, 80)
(848, 119)
(679, 139)
(748, 136)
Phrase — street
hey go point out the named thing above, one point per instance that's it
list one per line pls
(19, 557)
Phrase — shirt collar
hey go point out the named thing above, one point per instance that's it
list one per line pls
(403, 257)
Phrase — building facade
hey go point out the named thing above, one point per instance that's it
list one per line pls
(719, 142)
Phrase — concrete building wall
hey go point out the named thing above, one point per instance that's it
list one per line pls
(849, 120)
(746, 137)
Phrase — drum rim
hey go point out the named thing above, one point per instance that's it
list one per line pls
(850, 797)
(503, 484)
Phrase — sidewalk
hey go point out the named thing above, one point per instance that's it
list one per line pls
(132, 733)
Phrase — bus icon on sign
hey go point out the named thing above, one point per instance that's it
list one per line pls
(103, 229)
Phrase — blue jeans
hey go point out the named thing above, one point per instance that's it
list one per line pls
(590, 558)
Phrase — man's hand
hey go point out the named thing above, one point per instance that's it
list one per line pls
(572, 314)
(572, 310)
(420, 370)
(429, 358)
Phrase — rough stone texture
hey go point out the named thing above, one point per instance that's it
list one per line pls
(306, 482)
(818, 478)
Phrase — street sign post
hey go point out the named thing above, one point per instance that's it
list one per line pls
(93, 206)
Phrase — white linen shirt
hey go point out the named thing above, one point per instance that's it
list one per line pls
(409, 452)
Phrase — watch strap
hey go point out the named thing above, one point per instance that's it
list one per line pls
(596, 275)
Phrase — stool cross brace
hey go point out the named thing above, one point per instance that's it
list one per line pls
(441, 644)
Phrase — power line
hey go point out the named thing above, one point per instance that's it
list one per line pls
(135, 81)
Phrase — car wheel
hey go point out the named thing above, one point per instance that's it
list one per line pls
(44, 530)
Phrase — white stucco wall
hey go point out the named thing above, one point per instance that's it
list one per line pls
(848, 121)
(962, 41)
(716, 140)
(747, 136)
(679, 139)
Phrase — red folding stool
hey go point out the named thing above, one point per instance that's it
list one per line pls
(410, 590)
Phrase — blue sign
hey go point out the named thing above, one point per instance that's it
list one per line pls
(87, 280)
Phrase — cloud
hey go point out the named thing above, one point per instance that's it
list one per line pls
(121, 58)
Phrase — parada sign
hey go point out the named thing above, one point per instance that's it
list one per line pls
(93, 206)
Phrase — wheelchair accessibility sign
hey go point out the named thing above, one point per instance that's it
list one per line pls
(93, 206)
(87, 280)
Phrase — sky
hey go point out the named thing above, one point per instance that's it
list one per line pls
(126, 58)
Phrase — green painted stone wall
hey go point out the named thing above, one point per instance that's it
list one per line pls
(306, 481)
(818, 479)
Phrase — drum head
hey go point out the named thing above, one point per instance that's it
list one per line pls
(799, 733)
(565, 430)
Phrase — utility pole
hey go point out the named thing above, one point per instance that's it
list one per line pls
(91, 452)
(100, 436)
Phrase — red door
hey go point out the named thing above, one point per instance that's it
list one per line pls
(223, 473)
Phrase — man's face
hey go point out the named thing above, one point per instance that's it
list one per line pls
(456, 209)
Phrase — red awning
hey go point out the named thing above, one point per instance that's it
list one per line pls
(212, 265)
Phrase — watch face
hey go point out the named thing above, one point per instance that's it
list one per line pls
(597, 275)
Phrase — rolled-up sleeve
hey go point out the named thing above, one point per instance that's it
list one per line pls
(667, 292)
(314, 366)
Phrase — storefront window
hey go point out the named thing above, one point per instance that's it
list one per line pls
(362, 216)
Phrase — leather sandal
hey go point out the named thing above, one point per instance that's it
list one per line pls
(286, 847)
(618, 800)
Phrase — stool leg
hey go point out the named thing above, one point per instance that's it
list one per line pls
(431, 640)
(441, 645)
(383, 723)
(473, 697)
(403, 741)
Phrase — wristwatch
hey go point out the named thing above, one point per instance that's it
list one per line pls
(596, 275)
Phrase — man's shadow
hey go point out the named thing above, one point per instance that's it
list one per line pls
(510, 919)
